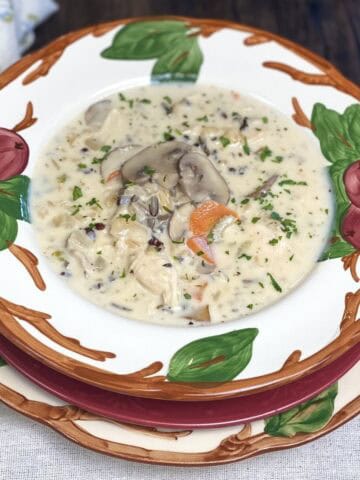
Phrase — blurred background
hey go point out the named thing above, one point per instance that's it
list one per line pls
(329, 27)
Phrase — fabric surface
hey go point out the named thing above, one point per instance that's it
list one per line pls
(30, 451)
(18, 18)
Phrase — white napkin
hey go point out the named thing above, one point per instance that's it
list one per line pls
(18, 18)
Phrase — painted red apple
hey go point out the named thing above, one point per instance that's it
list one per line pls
(350, 227)
(352, 183)
(14, 154)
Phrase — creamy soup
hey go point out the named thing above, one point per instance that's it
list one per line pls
(181, 204)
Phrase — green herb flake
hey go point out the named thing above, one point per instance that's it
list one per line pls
(168, 136)
(76, 193)
(199, 253)
(261, 284)
(291, 182)
(246, 147)
(265, 120)
(203, 119)
(224, 141)
(274, 241)
(274, 283)
(291, 258)
(76, 209)
(125, 216)
(82, 165)
(123, 275)
(255, 219)
(105, 148)
(57, 254)
(245, 201)
(62, 178)
(265, 153)
(178, 242)
(99, 252)
(149, 171)
(233, 200)
(278, 159)
(94, 202)
(167, 99)
(145, 100)
(250, 306)
(244, 255)
(187, 296)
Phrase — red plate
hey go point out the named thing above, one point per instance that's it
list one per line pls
(171, 414)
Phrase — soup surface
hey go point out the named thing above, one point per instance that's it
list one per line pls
(181, 204)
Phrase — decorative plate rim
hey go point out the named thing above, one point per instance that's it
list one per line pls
(66, 419)
(141, 383)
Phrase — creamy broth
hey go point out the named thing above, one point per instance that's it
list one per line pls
(181, 204)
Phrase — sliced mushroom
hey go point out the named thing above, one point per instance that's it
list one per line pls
(179, 222)
(151, 272)
(200, 179)
(264, 188)
(158, 162)
(81, 247)
(111, 165)
(97, 113)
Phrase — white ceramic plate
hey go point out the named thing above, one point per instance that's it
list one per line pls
(306, 330)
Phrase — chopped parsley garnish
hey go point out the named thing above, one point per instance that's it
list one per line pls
(82, 165)
(288, 225)
(76, 193)
(245, 201)
(291, 182)
(76, 209)
(227, 252)
(167, 99)
(130, 101)
(261, 284)
(145, 100)
(199, 253)
(233, 200)
(128, 217)
(265, 120)
(178, 242)
(210, 237)
(94, 201)
(149, 171)
(186, 124)
(250, 306)
(268, 206)
(290, 259)
(244, 255)
(62, 178)
(246, 147)
(274, 241)
(224, 141)
(255, 219)
(123, 275)
(167, 209)
(278, 159)
(187, 296)
(57, 254)
(168, 136)
(274, 283)
(265, 153)
(203, 119)
(106, 149)
(99, 252)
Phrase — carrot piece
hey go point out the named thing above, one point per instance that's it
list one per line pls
(199, 245)
(206, 215)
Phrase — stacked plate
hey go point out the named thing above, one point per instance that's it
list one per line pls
(187, 387)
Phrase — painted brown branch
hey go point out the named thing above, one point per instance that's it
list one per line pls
(246, 447)
(174, 435)
(28, 119)
(308, 78)
(350, 262)
(49, 55)
(149, 370)
(299, 116)
(352, 303)
(30, 262)
(293, 358)
(39, 320)
(256, 39)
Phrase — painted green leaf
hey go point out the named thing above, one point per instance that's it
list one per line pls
(219, 358)
(340, 144)
(14, 197)
(145, 40)
(2, 362)
(338, 133)
(8, 230)
(307, 417)
(181, 63)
